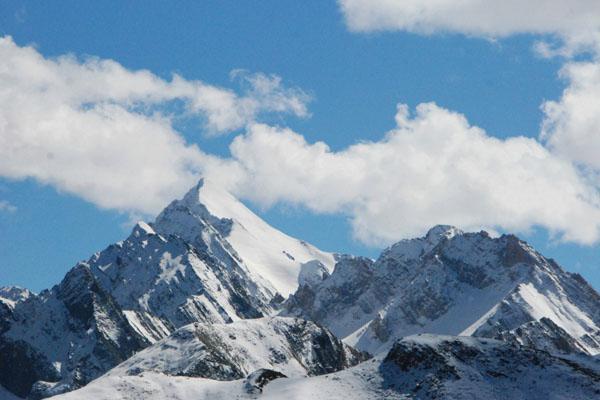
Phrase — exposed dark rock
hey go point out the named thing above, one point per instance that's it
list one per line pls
(255, 382)
(21, 366)
(433, 367)
(515, 252)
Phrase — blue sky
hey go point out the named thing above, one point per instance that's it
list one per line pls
(355, 80)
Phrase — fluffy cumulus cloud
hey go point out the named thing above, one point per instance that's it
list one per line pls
(571, 126)
(577, 22)
(100, 131)
(433, 168)
(570, 131)
(105, 133)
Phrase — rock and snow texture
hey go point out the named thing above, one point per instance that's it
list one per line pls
(291, 346)
(417, 367)
(271, 255)
(213, 263)
(162, 282)
(450, 282)
(64, 337)
(256, 381)
(118, 302)
(12, 295)
(432, 366)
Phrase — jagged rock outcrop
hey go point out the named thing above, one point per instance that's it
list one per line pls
(256, 381)
(12, 295)
(432, 367)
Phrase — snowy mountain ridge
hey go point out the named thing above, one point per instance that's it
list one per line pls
(450, 282)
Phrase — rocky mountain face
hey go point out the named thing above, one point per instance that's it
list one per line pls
(67, 336)
(179, 270)
(436, 366)
(416, 367)
(450, 282)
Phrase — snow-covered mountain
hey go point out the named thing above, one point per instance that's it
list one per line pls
(191, 298)
(417, 367)
(456, 283)
(214, 263)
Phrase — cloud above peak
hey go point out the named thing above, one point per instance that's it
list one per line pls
(94, 129)
(434, 167)
(98, 130)
(571, 127)
(569, 137)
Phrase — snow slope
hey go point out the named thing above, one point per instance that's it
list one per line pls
(291, 346)
(418, 367)
(270, 254)
(456, 283)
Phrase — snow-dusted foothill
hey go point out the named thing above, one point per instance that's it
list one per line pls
(219, 351)
(417, 367)
(451, 282)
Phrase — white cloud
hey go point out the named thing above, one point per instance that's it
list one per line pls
(577, 22)
(6, 206)
(100, 131)
(97, 130)
(433, 168)
(571, 127)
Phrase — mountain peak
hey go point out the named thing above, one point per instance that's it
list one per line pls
(273, 256)
(142, 229)
(412, 249)
(210, 195)
(194, 196)
(439, 232)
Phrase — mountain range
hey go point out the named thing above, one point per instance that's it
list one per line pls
(209, 301)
